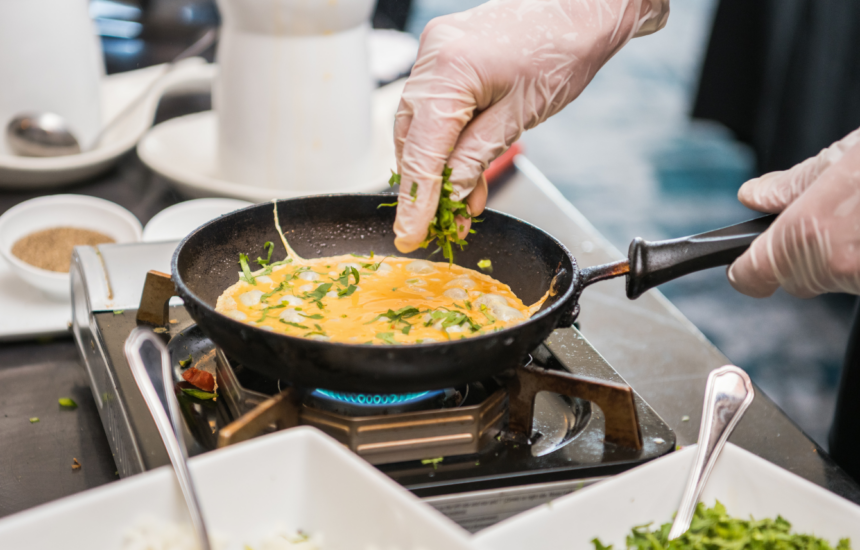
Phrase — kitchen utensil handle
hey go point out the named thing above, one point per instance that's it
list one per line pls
(155, 381)
(728, 393)
(657, 262)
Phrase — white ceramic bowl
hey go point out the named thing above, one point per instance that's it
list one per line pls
(61, 211)
(297, 478)
(746, 484)
(177, 221)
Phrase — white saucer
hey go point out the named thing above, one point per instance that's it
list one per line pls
(29, 313)
(184, 150)
(175, 222)
(117, 92)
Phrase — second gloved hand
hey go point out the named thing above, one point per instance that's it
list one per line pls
(484, 76)
(813, 247)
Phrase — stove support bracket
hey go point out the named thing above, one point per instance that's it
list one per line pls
(281, 410)
(154, 302)
(615, 400)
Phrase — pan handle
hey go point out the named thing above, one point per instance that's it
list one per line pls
(657, 262)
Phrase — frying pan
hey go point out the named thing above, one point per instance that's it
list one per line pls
(523, 256)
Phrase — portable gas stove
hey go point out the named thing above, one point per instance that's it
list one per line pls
(479, 453)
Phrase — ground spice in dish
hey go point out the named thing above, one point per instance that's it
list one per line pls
(51, 249)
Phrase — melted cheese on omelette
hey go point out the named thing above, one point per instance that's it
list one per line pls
(365, 300)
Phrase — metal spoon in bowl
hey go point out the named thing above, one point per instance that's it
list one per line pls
(728, 394)
(48, 135)
(155, 380)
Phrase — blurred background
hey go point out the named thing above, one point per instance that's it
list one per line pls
(631, 155)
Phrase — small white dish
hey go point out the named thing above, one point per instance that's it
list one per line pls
(36, 314)
(175, 222)
(117, 91)
(61, 211)
(297, 479)
(745, 483)
(184, 151)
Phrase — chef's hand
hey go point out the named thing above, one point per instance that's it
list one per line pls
(813, 247)
(485, 75)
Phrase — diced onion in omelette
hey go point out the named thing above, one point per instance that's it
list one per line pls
(250, 298)
(421, 266)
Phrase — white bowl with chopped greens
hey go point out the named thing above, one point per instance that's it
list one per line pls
(744, 483)
(296, 489)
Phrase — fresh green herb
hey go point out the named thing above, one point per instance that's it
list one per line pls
(393, 289)
(186, 362)
(443, 227)
(346, 291)
(486, 311)
(67, 403)
(486, 266)
(397, 316)
(315, 333)
(374, 266)
(713, 529)
(317, 294)
(34, 420)
(343, 278)
(248, 277)
(468, 304)
(387, 337)
(406, 329)
(344, 315)
(434, 461)
(414, 191)
(293, 324)
(118, 311)
(199, 394)
(268, 247)
(281, 287)
(314, 316)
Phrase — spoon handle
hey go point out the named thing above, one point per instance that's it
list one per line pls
(155, 380)
(728, 394)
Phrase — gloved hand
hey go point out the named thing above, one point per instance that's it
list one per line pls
(813, 247)
(484, 76)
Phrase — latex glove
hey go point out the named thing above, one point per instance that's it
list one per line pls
(484, 76)
(813, 247)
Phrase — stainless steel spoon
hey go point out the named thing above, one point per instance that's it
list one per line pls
(727, 395)
(155, 380)
(48, 135)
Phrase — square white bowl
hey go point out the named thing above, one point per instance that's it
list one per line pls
(299, 479)
(745, 483)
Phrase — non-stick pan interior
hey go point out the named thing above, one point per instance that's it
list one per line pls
(522, 256)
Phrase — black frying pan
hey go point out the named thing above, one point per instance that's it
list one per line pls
(523, 256)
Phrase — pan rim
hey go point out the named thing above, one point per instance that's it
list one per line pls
(184, 290)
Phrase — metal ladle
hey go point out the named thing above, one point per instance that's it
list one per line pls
(728, 394)
(48, 135)
(155, 380)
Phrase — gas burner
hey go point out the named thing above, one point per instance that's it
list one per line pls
(371, 404)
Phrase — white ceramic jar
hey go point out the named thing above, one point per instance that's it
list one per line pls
(50, 61)
(293, 93)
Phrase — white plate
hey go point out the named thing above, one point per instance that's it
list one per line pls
(743, 482)
(35, 313)
(184, 150)
(117, 92)
(298, 478)
(175, 222)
